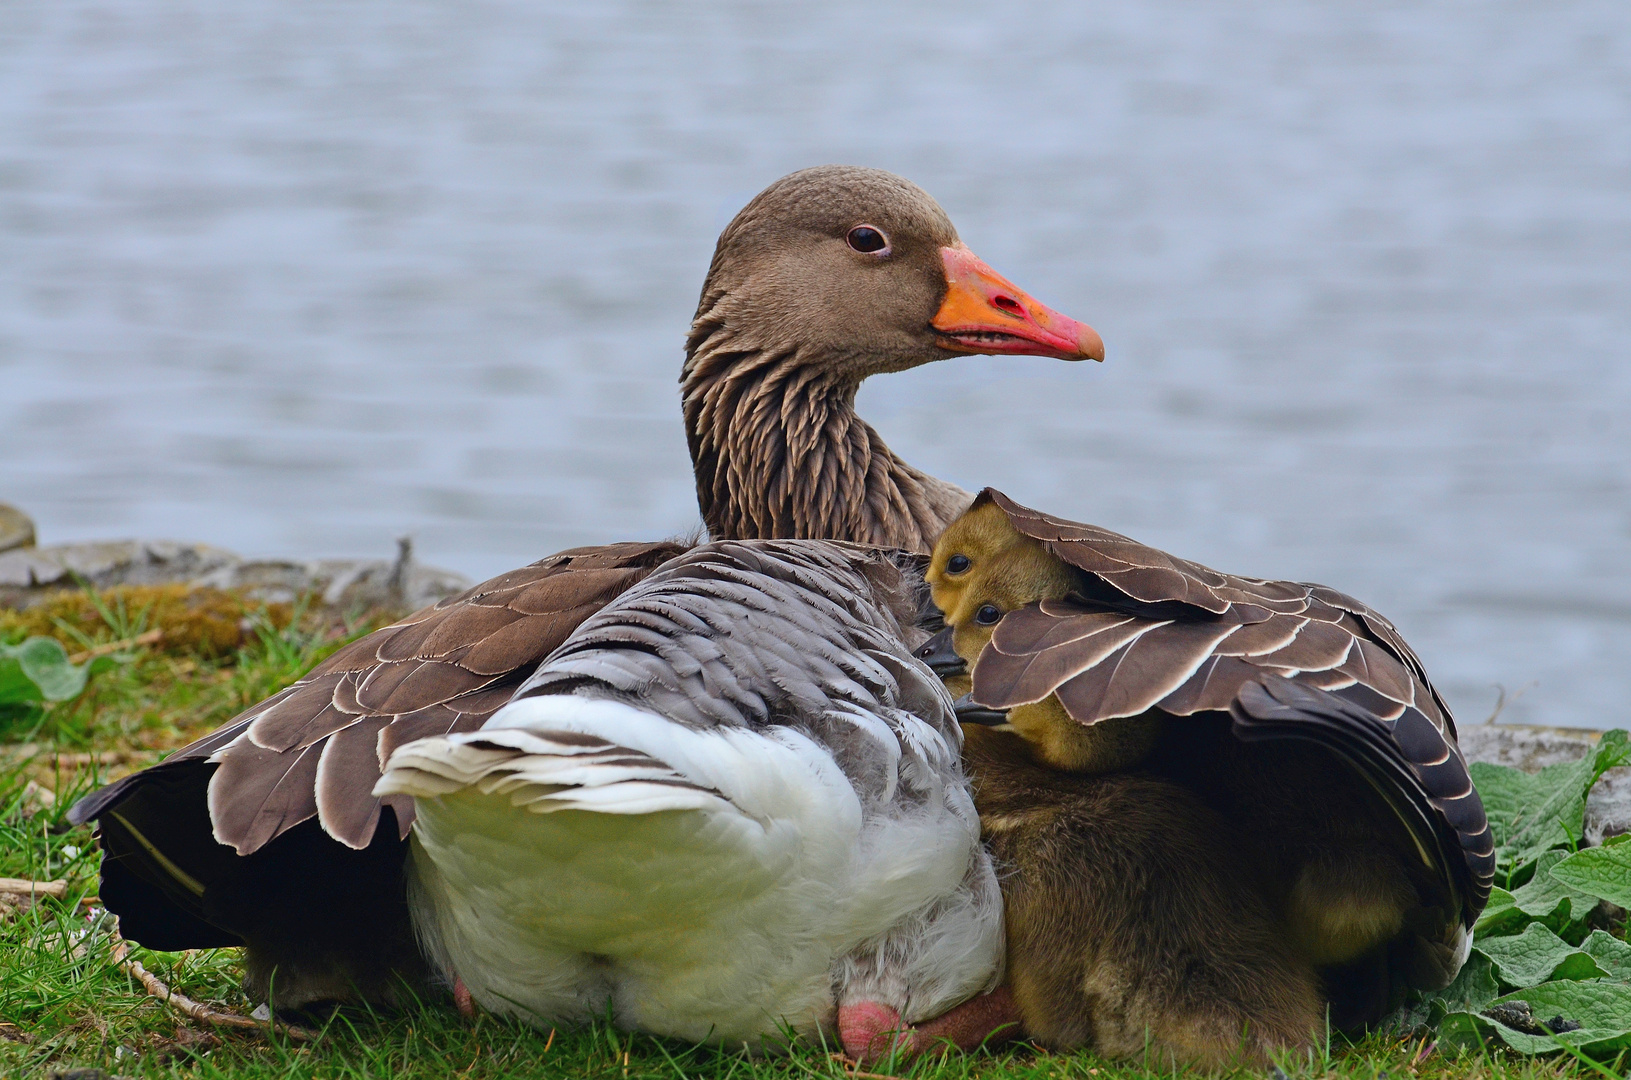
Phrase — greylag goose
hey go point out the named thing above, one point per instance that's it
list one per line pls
(1298, 712)
(729, 804)
(267, 833)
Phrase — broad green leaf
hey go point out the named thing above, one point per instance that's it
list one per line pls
(1600, 871)
(16, 688)
(39, 670)
(1531, 812)
(45, 662)
(1521, 1041)
(1506, 792)
(1611, 954)
(1601, 1007)
(1463, 1030)
(1500, 910)
(1473, 988)
(1535, 956)
(1613, 749)
(1542, 897)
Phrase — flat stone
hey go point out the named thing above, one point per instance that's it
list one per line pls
(27, 575)
(16, 528)
(345, 584)
(1532, 747)
(108, 563)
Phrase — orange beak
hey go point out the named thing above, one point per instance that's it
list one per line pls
(984, 313)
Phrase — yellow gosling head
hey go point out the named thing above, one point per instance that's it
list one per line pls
(983, 568)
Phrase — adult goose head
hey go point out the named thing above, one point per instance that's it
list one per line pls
(830, 275)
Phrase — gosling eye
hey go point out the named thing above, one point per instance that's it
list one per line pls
(957, 564)
(868, 239)
(988, 615)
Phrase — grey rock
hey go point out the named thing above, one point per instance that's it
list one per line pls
(345, 584)
(1532, 748)
(29, 574)
(16, 528)
(106, 563)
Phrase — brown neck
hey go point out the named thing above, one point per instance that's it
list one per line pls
(779, 452)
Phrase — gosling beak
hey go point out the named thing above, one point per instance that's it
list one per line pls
(984, 312)
(970, 713)
(940, 657)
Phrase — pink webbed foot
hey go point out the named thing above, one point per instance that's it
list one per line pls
(986, 1020)
(461, 998)
(870, 1031)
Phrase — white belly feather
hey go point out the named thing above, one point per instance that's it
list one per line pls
(719, 884)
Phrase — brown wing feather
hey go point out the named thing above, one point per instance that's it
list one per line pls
(1141, 673)
(1033, 652)
(350, 764)
(1318, 646)
(300, 715)
(317, 747)
(256, 794)
(1305, 632)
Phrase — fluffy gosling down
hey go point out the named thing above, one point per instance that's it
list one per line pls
(1114, 880)
(1283, 724)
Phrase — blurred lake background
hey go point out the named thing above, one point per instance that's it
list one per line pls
(297, 279)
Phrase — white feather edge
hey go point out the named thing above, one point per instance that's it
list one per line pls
(756, 772)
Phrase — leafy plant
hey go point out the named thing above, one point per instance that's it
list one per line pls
(1543, 975)
(39, 671)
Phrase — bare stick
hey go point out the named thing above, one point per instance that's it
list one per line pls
(188, 1007)
(152, 637)
(25, 887)
(852, 1067)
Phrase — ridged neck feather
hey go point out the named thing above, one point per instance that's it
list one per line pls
(779, 452)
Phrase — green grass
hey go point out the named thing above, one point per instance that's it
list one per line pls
(156, 699)
(65, 1002)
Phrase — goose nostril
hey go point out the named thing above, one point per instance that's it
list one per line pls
(1008, 304)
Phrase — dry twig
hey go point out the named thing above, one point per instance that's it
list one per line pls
(25, 887)
(198, 1011)
(852, 1067)
(152, 637)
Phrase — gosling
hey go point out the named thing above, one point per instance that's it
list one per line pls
(1133, 924)
(1297, 713)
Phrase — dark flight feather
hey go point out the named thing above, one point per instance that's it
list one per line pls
(1406, 759)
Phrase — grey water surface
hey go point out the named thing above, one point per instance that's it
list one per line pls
(297, 279)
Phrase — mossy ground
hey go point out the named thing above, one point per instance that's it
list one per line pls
(64, 1001)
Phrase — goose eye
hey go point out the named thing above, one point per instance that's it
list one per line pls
(988, 615)
(867, 240)
(957, 564)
